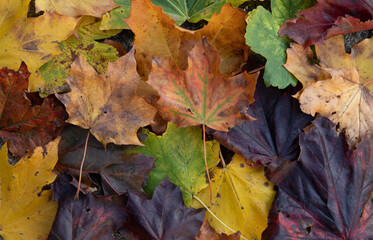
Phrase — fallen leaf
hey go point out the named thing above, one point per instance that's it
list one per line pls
(107, 104)
(164, 216)
(26, 211)
(32, 40)
(90, 217)
(206, 232)
(261, 35)
(327, 19)
(193, 10)
(337, 91)
(242, 199)
(97, 54)
(201, 94)
(271, 139)
(179, 155)
(120, 171)
(326, 193)
(75, 8)
(23, 125)
(114, 18)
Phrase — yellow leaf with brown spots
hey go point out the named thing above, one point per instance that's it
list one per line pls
(32, 40)
(107, 104)
(27, 212)
(242, 199)
(75, 8)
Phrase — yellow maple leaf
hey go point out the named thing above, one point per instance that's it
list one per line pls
(25, 211)
(339, 87)
(242, 201)
(32, 40)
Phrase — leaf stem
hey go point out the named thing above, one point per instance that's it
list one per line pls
(212, 214)
(256, 70)
(205, 157)
(81, 168)
(222, 159)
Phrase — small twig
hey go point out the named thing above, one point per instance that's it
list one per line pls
(205, 156)
(222, 159)
(81, 168)
(256, 70)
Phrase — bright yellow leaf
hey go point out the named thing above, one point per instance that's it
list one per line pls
(242, 199)
(24, 212)
(32, 40)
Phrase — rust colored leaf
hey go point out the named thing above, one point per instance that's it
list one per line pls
(107, 104)
(206, 232)
(201, 94)
(23, 125)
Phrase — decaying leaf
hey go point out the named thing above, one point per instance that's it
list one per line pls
(179, 155)
(206, 232)
(201, 94)
(340, 88)
(23, 125)
(242, 199)
(75, 8)
(27, 212)
(327, 19)
(90, 217)
(326, 194)
(107, 104)
(164, 216)
(32, 40)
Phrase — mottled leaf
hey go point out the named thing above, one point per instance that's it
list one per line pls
(114, 18)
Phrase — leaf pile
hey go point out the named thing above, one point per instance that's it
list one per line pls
(185, 130)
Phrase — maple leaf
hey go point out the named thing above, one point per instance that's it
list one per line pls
(270, 139)
(179, 155)
(261, 35)
(26, 211)
(208, 233)
(164, 216)
(157, 35)
(114, 18)
(90, 217)
(326, 194)
(242, 201)
(107, 104)
(193, 10)
(342, 89)
(32, 40)
(327, 19)
(75, 8)
(120, 171)
(23, 125)
(97, 54)
(201, 94)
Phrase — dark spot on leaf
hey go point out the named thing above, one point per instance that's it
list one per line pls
(218, 195)
(242, 165)
(308, 229)
(266, 184)
(334, 113)
(242, 207)
(31, 46)
(36, 173)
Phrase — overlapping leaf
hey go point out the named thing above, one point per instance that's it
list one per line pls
(327, 193)
(261, 35)
(90, 217)
(201, 94)
(32, 40)
(107, 104)
(206, 232)
(271, 139)
(179, 155)
(23, 125)
(242, 199)
(114, 18)
(342, 89)
(327, 19)
(27, 212)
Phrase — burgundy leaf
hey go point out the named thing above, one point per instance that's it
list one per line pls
(327, 19)
(164, 216)
(273, 137)
(326, 194)
(88, 218)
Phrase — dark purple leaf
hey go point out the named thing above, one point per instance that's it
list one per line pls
(164, 216)
(273, 137)
(88, 218)
(327, 193)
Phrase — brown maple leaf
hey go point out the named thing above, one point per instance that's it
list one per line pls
(107, 104)
(201, 94)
